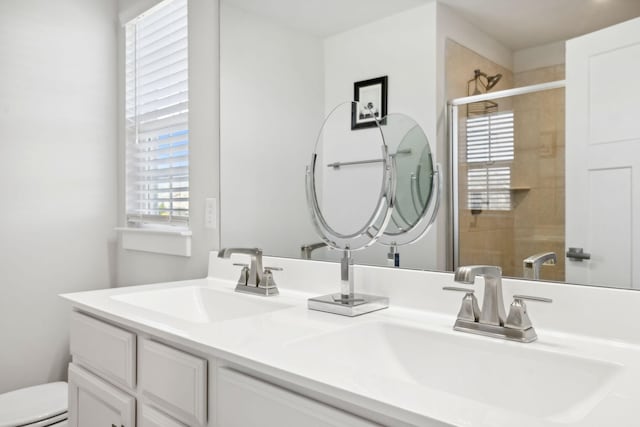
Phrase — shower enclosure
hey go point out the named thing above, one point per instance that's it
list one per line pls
(508, 178)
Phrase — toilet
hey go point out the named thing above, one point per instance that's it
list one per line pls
(38, 406)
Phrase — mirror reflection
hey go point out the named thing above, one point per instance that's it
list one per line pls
(511, 181)
(414, 171)
(418, 186)
(285, 66)
(349, 182)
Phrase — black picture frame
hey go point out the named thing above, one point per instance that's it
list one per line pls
(371, 91)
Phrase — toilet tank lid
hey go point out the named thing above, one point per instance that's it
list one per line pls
(32, 404)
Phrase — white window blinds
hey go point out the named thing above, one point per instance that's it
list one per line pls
(488, 188)
(157, 112)
(490, 137)
(490, 151)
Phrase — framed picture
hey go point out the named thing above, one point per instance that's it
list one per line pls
(371, 96)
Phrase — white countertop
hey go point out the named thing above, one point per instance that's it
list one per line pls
(268, 343)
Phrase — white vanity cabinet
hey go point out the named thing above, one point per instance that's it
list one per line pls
(95, 403)
(174, 381)
(150, 417)
(123, 378)
(105, 349)
(243, 401)
(115, 370)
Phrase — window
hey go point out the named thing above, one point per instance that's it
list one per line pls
(490, 140)
(156, 116)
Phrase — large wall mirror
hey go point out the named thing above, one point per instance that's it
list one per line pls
(286, 64)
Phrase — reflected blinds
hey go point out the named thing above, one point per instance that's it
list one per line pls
(490, 147)
(156, 114)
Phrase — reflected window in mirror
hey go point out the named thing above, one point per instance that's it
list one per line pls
(489, 154)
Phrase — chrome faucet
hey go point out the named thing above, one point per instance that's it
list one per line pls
(531, 265)
(255, 271)
(491, 320)
(305, 250)
(253, 278)
(492, 304)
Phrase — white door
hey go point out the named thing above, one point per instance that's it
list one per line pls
(603, 155)
(94, 403)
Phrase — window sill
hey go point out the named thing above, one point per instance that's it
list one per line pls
(159, 241)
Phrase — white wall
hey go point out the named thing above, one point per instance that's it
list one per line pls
(539, 56)
(143, 267)
(403, 47)
(453, 26)
(347, 195)
(277, 84)
(272, 98)
(57, 175)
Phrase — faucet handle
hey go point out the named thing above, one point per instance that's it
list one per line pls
(268, 284)
(469, 310)
(244, 273)
(532, 298)
(518, 317)
(457, 289)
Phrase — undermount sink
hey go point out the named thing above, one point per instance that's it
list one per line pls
(515, 377)
(200, 304)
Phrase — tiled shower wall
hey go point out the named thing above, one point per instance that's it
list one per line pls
(539, 165)
(536, 222)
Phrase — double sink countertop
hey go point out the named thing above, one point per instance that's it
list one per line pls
(403, 365)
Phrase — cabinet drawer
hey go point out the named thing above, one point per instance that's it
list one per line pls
(150, 417)
(272, 406)
(174, 381)
(107, 350)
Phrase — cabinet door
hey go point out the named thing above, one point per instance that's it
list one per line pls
(94, 403)
(243, 401)
(174, 381)
(150, 417)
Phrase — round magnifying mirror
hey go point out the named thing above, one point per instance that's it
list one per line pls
(417, 181)
(350, 180)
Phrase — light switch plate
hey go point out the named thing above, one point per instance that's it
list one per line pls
(210, 213)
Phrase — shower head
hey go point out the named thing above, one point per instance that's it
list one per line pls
(491, 80)
(482, 107)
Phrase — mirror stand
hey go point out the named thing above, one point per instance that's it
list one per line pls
(338, 130)
(347, 302)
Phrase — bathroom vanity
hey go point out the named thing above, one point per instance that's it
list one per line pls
(196, 353)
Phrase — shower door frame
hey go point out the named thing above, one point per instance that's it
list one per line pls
(452, 116)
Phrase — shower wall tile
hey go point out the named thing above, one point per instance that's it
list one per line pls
(539, 165)
(485, 238)
(536, 222)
